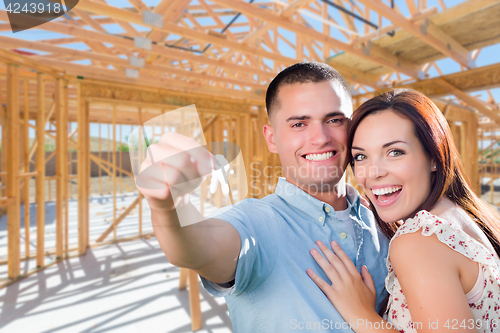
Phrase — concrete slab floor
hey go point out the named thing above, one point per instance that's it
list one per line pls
(123, 287)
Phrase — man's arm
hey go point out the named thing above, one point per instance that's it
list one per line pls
(210, 247)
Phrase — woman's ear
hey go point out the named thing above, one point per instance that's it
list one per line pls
(433, 166)
(269, 136)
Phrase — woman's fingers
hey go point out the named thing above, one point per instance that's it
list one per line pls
(329, 270)
(368, 280)
(324, 286)
(332, 258)
(344, 258)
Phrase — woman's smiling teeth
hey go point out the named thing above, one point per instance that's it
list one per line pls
(384, 194)
(386, 190)
(319, 157)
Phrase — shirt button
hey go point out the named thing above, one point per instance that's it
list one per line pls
(327, 209)
(321, 219)
(343, 235)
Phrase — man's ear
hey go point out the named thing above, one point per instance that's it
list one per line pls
(269, 136)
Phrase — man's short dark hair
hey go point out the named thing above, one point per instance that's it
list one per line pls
(302, 72)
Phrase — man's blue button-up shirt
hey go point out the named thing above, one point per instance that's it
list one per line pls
(272, 292)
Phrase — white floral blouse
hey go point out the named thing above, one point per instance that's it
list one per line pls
(486, 310)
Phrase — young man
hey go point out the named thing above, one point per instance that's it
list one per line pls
(256, 252)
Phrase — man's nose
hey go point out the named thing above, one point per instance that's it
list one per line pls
(319, 135)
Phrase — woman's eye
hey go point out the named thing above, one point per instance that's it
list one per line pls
(298, 125)
(359, 157)
(396, 152)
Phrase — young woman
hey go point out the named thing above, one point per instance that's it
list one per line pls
(444, 271)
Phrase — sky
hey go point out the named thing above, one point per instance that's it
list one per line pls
(488, 55)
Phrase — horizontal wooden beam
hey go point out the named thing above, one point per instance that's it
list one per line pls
(372, 52)
(19, 43)
(414, 18)
(102, 73)
(23, 61)
(471, 101)
(157, 49)
(427, 32)
(294, 6)
(476, 79)
(127, 16)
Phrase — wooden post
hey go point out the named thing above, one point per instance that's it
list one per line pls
(40, 168)
(109, 156)
(183, 277)
(218, 133)
(241, 162)
(13, 156)
(67, 156)
(61, 136)
(82, 171)
(472, 134)
(203, 186)
(3, 166)
(87, 170)
(114, 170)
(247, 153)
(194, 301)
(26, 169)
(99, 167)
(121, 158)
(139, 154)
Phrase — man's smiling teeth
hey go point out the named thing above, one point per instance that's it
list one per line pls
(386, 190)
(319, 157)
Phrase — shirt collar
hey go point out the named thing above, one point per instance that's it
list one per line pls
(311, 206)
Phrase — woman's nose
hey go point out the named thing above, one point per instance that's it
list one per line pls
(376, 170)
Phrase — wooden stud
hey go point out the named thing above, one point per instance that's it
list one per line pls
(26, 169)
(87, 173)
(61, 136)
(67, 157)
(83, 174)
(99, 168)
(194, 301)
(183, 277)
(140, 156)
(3, 165)
(109, 156)
(13, 156)
(40, 168)
(121, 159)
(114, 171)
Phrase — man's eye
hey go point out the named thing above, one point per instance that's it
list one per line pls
(336, 121)
(359, 157)
(396, 153)
(298, 125)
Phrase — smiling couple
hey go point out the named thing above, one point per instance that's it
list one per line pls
(310, 256)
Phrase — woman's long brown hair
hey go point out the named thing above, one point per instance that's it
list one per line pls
(432, 130)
